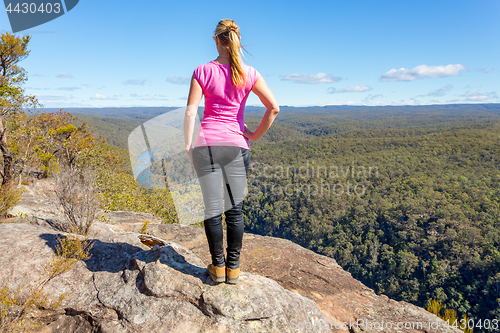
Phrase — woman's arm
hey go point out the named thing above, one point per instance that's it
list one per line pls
(194, 98)
(266, 96)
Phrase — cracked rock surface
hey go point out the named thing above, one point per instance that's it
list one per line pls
(127, 287)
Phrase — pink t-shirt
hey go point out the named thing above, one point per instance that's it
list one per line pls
(224, 105)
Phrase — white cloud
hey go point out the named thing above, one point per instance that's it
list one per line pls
(179, 80)
(38, 75)
(64, 75)
(37, 88)
(136, 82)
(422, 71)
(384, 103)
(476, 96)
(99, 96)
(358, 88)
(68, 88)
(53, 97)
(484, 70)
(311, 79)
(414, 101)
(441, 91)
(156, 97)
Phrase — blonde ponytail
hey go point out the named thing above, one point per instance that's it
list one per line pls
(228, 33)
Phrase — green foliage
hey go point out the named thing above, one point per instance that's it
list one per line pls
(449, 315)
(9, 197)
(116, 186)
(144, 228)
(43, 143)
(114, 130)
(12, 50)
(118, 190)
(12, 96)
(69, 250)
(427, 224)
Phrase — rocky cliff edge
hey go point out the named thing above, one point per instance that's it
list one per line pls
(158, 282)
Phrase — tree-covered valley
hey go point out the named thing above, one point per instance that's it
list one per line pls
(424, 223)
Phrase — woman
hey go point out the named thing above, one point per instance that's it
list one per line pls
(221, 151)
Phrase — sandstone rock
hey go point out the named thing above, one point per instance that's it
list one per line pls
(124, 287)
(341, 298)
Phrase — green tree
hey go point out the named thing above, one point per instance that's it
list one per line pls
(12, 96)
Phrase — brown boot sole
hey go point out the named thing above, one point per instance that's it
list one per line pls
(232, 280)
(215, 278)
(232, 275)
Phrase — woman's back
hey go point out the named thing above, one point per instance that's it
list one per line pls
(224, 104)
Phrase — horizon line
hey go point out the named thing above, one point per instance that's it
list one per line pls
(284, 106)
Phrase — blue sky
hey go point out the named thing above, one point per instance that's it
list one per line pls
(142, 53)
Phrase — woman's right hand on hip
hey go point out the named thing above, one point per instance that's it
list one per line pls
(247, 133)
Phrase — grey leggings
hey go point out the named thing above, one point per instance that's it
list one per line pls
(217, 167)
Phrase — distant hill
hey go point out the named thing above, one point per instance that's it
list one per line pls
(297, 123)
(114, 130)
(131, 112)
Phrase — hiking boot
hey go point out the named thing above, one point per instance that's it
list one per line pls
(218, 274)
(232, 275)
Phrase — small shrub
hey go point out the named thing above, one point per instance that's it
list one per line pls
(19, 307)
(9, 197)
(69, 250)
(104, 218)
(78, 198)
(144, 228)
